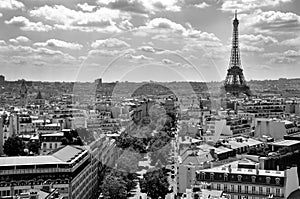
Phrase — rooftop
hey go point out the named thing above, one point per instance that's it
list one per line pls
(53, 134)
(60, 156)
(235, 170)
(285, 143)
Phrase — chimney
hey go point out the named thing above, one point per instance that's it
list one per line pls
(229, 169)
(212, 153)
(257, 171)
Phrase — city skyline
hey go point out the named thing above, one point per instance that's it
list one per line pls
(142, 40)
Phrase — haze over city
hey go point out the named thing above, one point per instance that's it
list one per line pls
(141, 40)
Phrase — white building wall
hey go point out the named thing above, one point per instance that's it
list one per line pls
(292, 182)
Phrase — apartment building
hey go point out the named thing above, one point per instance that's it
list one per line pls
(68, 169)
(249, 183)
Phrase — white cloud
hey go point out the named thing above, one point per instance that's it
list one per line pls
(109, 52)
(66, 16)
(249, 48)
(142, 6)
(248, 5)
(255, 43)
(202, 5)
(11, 4)
(147, 49)
(271, 21)
(283, 60)
(59, 44)
(167, 61)
(36, 54)
(165, 24)
(292, 53)
(13, 41)
(137, 57)
(257, 39)
(27, 25)
(126, 25)
(86, 7)
(22, 39)
(109, 43)
(2, 43)
(162, 26)
(292, 42)
(1, 14)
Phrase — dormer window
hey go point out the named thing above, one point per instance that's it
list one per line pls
(239, 178)
(277, 180)
(202, 174)
(268, 180)
(225, 176)
(212, 176)
(253, 179)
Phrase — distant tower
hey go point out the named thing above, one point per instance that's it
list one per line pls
(23, 94)
(2, 80)
(39, 99)
(235, 82)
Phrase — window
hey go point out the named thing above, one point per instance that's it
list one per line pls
(277, 193)
(232, 188)
(50, 146)
(246, 189)
(44, 145)
(253, 189)
(253, 179)
(260, 190)
(211, 176)
(239, 189)
(218, 187)
(225, 187)
(268, 190)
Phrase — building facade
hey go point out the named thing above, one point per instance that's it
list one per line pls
(254, 183)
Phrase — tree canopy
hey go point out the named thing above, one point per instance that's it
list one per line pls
(14, 146)
(155, 183)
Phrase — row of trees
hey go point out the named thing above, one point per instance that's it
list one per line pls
(155, 183)
(118, 184)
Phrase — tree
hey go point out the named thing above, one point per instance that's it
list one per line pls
(128, 162)
(160, 153)
(14, 146)
(155, 183)
(34, 146)
(114, 187)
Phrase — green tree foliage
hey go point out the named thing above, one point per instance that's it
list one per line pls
(161, 154)
(72, 138)
(118, 184)
(155, 183)
(34, 147)
(128, 161)
(114, 187)
(14, 146)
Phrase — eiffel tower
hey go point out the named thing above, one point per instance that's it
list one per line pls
(235, 82)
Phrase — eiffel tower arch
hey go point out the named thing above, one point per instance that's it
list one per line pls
(235, 82)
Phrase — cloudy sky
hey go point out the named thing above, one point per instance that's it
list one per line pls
(137, 40)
